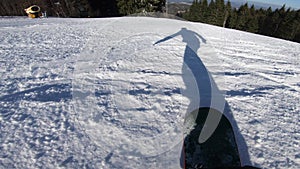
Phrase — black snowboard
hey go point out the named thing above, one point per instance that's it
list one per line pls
(219, 151)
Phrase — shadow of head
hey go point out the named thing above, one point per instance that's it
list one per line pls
(191, 38)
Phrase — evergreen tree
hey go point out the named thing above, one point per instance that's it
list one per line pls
(278, 17)
(228, 10)
(296, 37)
(252, 21)
(232, 20)
(157, 5)
(127, 7)
(243, 16)
(220, 12)
(267, 24)
(288, 25)
(261, 16)
(212, 11)
(204, 11)
(194, 12)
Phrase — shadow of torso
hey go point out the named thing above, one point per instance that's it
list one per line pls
(203, 94)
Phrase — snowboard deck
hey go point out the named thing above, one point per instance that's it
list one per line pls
(219, 151)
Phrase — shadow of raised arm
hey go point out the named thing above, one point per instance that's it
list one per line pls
(167, 38)
(201, 37)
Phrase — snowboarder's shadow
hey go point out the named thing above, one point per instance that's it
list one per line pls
(199, 90)
(194, 74)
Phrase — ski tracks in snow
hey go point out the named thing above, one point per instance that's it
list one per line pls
(137, 102)
(262, 85)
(96, 93)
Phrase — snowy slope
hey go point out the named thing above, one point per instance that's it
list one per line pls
(96, 93)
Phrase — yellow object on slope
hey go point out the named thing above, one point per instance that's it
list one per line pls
(33, 11)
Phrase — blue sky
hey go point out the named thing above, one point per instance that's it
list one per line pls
(291, 3)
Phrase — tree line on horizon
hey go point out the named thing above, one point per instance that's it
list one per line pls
(60, 8)
(280, 23)
(82, 8)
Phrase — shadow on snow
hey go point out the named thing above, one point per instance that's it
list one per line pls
(201, 90)
(45, 93)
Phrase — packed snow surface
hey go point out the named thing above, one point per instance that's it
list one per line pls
(99, 93)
